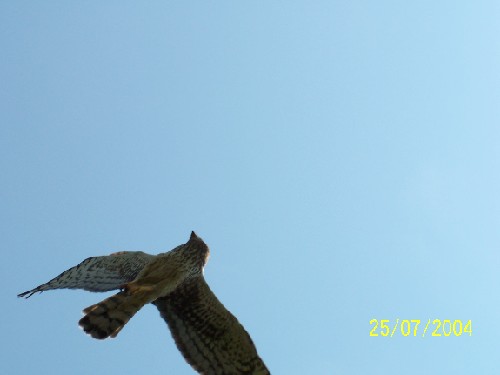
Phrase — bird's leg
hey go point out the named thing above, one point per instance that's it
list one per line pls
(134, 287)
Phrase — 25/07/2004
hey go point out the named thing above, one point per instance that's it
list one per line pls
(439, 327)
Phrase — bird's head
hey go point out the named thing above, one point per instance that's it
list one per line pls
(197, 250)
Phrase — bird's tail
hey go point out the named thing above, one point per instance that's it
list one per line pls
(107, 318)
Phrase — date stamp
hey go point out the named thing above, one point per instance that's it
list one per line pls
(406, 327)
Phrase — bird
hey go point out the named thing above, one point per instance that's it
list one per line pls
(209, 337)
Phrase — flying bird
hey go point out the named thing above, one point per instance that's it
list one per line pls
(209, 337)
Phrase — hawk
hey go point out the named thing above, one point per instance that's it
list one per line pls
(209, 337)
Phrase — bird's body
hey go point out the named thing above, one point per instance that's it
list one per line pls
(210, 338)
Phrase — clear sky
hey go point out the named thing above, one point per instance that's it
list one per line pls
(340, 158)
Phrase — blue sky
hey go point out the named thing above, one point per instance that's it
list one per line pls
(339, 158)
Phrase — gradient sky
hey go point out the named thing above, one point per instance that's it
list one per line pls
(340, 158)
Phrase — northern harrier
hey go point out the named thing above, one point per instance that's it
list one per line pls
(209, 337)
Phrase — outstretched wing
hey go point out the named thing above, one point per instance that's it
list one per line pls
(98, 274)
(209, 337)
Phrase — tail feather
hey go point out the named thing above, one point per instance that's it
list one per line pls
(107, 318)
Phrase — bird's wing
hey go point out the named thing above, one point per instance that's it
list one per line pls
(98, 274)
(209, 337)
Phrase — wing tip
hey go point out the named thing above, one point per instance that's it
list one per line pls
(28, 293)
